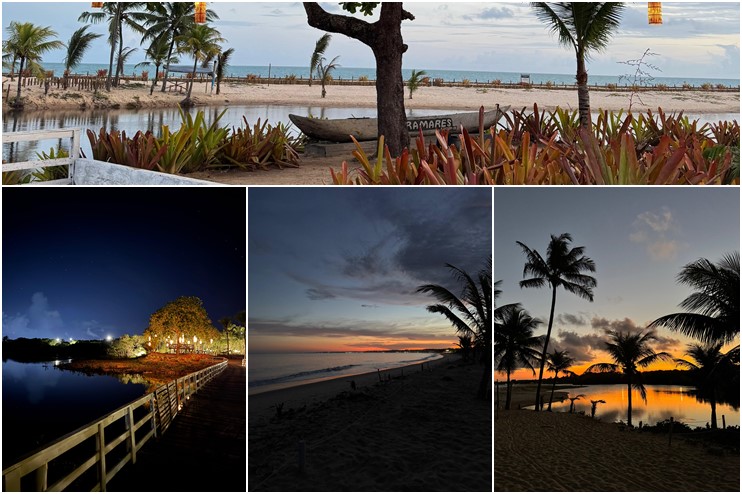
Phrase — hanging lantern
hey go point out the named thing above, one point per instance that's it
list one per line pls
(200, 16)
(97, 5)
(654, 12)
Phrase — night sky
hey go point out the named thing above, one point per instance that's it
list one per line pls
(85, 263)
(336, 269)
(639, 237)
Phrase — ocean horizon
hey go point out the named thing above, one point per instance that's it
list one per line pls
(474, 76)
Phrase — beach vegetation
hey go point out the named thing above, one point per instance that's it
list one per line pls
(557, 361)
(324, 72)
(438, 82)
(140, 151)
(642, 75)
(415, 81)
(319, 51)
(121, 60)
(586, 27)
(202, 43)
(629, 353)
(470, 313)
(384, 37)
(25, 43)
(260, 146)
(222, 62)
(168, 21)
(363, 78)
(515, 346)
(563, 267)
(178, 325)
(157, 54)
(713, 308)
(78, 44)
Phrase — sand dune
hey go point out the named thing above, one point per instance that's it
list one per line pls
(425, 432)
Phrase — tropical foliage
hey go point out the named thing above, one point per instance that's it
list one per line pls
(714, 307)
(324, 72)
(183, 321)
(563, 267)
(126, 347)
(629, 353)
(557, 362)
(415, 81)
(76, 47)
(319, 50)
(202, 43)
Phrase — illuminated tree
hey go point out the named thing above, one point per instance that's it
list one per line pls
(177, 323)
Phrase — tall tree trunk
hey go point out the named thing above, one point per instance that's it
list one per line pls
(20, 78)
(169, 54)
(119, 65)
(583, 95)
(714, 424)
(193, 77)
(508, 395)
(546, 346)
(553, 386)
(154, 82)
(628, 420)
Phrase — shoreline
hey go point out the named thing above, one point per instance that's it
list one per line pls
(136, 96)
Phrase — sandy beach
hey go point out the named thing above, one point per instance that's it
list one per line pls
(444, 98)
(568, 452)
(423, 432)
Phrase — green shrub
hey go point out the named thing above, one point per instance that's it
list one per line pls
(126, 347)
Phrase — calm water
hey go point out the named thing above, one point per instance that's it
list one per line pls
(284, 370)
(663, 402)
(41, 403)
(153, 119)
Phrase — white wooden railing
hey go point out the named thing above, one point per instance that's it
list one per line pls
(161, 407)
(72, 134)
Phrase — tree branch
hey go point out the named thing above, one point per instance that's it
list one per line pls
(354, 28)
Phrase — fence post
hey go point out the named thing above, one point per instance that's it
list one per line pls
(131, 446)
(100, 445)
(41, 473)
(153, 407)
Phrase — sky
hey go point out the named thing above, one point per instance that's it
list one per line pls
(336, 269)
(85, 263)
(639, 238)
(696, 39)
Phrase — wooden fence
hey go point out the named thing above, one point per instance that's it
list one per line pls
(154, 412)
(72, 134)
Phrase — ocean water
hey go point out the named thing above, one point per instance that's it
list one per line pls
(268, 371)
(346, 73)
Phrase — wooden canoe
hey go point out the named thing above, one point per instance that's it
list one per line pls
(365, 129)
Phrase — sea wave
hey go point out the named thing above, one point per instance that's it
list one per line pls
(299, 375)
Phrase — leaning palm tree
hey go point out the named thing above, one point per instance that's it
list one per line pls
(629, 353)
(121, 59)
(714, 307)
(558, 361)
(324, 72)
(76, 47)
(415, 80)
(26, 43)
(222, 62)
(563, 267)
(710, 367)
(515, 346)
(586, 27)
(319, 50)
(168, 20)
(202, 43)
(470, 313)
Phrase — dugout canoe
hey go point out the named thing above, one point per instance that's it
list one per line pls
(365, 129)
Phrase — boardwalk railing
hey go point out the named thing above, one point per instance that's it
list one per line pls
(132, 425)
(72, 134)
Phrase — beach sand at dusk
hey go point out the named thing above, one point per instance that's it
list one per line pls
(425, 432)
(569, 452)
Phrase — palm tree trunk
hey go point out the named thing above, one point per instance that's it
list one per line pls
(713, 410)
(583, 95)
(193, 77)
(628, 419)
(154, 82)
(169, 54)
(546, 346)
(507, 391)
(20, 77)
(119, 65)
(553, 385)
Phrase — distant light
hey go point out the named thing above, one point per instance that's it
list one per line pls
(70, 339)
(109, 337)
(57, 340)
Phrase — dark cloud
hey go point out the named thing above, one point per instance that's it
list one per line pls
(625, 325)
(580, 347)
(572, 319)
(370, 306)
(319, 294)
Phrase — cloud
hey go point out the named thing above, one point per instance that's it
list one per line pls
(572, 319)
(319, 294)
(624, 325)
(491, 13)
(370, 306)
(580, 347)
(38, 318)
(655, 230)
(661, 222)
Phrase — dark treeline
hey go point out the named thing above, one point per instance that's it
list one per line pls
(45, 349)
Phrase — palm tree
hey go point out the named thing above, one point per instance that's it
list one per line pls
(319, 50)
(562, 267)
(585, 26)
(474, 307)
(26, 43)
(415, 80)
(558, 361)
(466, 344)
(629, 353)
(572, 400)
(222, 62)
(594, 407)
(157, 54)
(118, 15)
(715, 304)
(324, 72)
(168, 20)
(226, 322)
(121, 59)
(76, 47)
(515, 346)
(709, 365)
(202, 43)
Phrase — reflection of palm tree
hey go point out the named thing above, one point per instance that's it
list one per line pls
(630, 352)
(558, 361)
(715, 305)
(474, 308)
(562, 267)
(710, 367)
(585, 26)
(594, 407)
(572, 400)
(515, 346)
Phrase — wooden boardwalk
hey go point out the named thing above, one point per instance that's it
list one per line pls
(204, 449)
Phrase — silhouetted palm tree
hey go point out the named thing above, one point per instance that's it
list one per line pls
(710, 367)
(563, 267)
(586, 27)
(558, 361)
(515, 346)
(76, 47)
(466, 344)
(27, 43)
(470, 313)
(572, 400)
(319, 50)
(629, 353)
(715, 313)
(594, 407)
